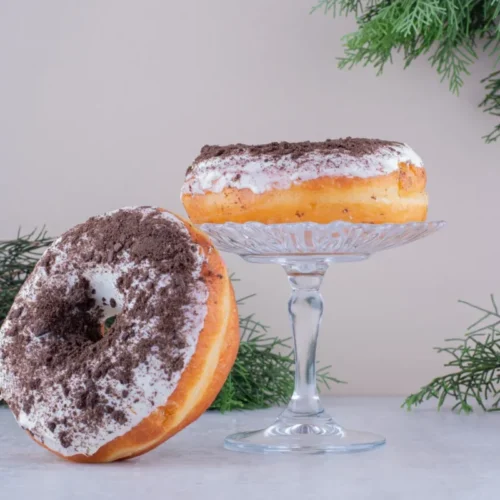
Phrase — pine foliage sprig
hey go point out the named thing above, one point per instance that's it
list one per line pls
(262, 375)
(476, 367)
(448, 32)
(491, 103)
(17, 259)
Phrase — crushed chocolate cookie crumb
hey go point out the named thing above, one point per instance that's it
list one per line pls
(351, 146)
(65, 439)
(119, 417)
(14, 314)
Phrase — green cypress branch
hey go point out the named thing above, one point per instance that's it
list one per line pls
(447, 31)
(476, 367)
(263, 374)
(491, 103)
(17, 259)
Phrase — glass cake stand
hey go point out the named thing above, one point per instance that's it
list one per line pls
(305, 250)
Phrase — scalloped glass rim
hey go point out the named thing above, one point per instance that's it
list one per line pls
(311, 238)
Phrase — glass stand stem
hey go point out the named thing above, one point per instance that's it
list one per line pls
(305, 308)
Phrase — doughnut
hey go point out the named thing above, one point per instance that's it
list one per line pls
(354, 180)
(122, 335)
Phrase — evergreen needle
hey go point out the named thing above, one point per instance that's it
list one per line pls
(17, 259)
(475, 362)
(448, 32)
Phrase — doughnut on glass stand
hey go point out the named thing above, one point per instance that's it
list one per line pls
(305, 251)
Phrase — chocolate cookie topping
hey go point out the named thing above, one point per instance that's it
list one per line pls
(349, 146)
(56, 341)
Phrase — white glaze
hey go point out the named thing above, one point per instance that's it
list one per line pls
(259, 173)
(150, 383)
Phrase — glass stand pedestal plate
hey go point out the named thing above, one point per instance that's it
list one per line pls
(305, 251)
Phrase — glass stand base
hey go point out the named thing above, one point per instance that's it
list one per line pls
(303, 435)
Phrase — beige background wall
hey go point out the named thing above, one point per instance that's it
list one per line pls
(104, 104)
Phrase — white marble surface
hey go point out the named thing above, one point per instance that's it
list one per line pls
(428, 456)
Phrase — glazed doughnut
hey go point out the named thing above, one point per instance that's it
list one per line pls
(91, 393)
(355, 180)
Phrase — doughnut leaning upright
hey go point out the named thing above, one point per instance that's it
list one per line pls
(95, 395)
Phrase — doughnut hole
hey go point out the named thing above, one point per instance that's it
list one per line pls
(107, 297)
